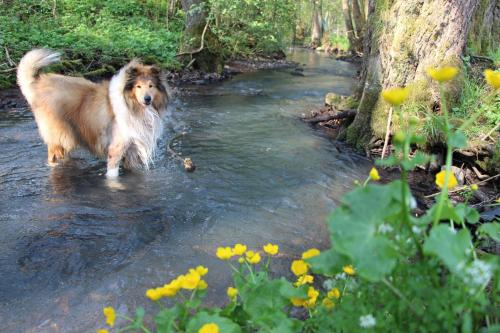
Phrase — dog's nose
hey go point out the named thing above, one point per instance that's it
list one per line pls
(147, 99)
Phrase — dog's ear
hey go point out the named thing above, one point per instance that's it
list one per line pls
(130, 76)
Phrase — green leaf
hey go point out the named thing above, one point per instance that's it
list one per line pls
(457, 139)
(354, 229)
(165, 319)
(451, 247)
(328, 263)
(202, 318)
(491, 229)
(419, 159)
(467, 213)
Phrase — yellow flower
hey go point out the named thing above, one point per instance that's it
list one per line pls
(442, 74)
(395, 96)
(255, 259)
(241, 260)
(202, 285)
(310, 253)
(303, 279)
(334, 293)
(374, 174)
(492, 78)
(201, 270)
(102, 331)
(224, 253)
(209, 328)
(110, 315)
(153, 294)
(250, 254)
(271, 249)
(168, 290)
(474, 187)
(299, 267)
(498, 200)
(328, 303)
(239, 249)
(440, 177)
(312, 296)
(349, 270)
(232, 292)
(191, 280)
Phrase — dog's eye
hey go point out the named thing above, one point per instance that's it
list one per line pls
(139, 87)
(150, 86)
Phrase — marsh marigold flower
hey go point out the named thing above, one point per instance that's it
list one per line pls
(310, 253)
(255, 259)
(328, 303)
(492, 78)
(374, 174)
(153, 294)
(303, 279)
(349, 270)
(232, 292)
(191, 280)
(442, 74)
(209, 328)
(202, 285)
(201, 270)
(239, 249)
(110, 315)
(224, 253)
(334, 293)
(312, 296)
(395, 96)
(299, 267)
(241, 260)
(102, 331)
(440, 177)
(271, 249)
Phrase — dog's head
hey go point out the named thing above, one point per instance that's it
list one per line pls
(145, 86)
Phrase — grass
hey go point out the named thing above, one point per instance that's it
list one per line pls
(96, 33)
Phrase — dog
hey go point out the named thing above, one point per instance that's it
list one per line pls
(118, 119)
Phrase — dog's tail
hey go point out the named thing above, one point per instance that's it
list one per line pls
(30, 65)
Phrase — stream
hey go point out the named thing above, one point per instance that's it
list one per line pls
(72, 242)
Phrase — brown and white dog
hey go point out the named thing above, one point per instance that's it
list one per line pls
(116, 119)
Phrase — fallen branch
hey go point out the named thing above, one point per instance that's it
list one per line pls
(9, 59)
(328, 117)
(187, 163)
(202, 46)
(461, 188)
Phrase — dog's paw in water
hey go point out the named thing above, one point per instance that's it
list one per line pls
(112, 173)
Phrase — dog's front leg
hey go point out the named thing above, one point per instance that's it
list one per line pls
(115, 154)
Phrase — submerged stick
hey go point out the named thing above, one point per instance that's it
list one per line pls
(186, 162)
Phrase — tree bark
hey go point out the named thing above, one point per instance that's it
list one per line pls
(208, 59)
(485, 30)
(403, 40)
(358, 19)
(354, 43)
(316, 33)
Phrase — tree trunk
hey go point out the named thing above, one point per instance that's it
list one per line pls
(403, 40)
(354, 43)
(316, 32)
(359, 21)
(205, 60)
(485, 30)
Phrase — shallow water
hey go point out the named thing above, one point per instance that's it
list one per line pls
(72, 242)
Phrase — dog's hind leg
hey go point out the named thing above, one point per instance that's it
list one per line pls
(55, 154)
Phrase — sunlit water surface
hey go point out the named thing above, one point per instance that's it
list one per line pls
(71, 242)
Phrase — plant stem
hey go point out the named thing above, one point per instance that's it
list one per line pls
(449, 155)
(401, 296)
